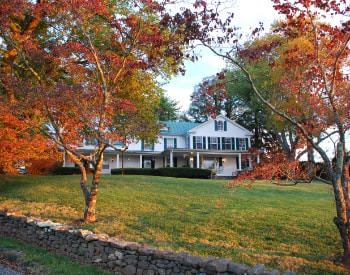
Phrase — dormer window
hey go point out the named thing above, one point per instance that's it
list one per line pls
(220, 125)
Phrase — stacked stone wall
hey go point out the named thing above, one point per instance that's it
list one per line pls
(116, 255)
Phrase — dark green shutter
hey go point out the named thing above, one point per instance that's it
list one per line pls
(194, 142)
(209, 143)
(204, 145)
(142, 145)
(233, 147)
(225, 125)
(237, 144)
(216, 125)
(223, 143)
(237, 162)
(165, 143)
(143, 162)
(219, 147)
(175, 143)
(247, 143)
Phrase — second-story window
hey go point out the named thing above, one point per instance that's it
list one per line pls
(91, 141)
(171, 143)
(220, 125)
(213, 143)
(147, 146)
(242, 146)
(199, 142)
(227, 144)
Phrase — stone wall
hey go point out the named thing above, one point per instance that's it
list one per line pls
(115, 255)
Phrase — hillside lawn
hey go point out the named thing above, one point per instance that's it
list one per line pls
(282, 227)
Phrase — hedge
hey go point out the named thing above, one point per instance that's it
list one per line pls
(184, 172)
(66, 171)
(134, 171)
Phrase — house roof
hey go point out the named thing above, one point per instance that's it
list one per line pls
(177, 128)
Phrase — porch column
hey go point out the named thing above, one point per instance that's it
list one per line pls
(258, 158)
(141, 161)
(117, 160)
(239, 162)
(171, 159)
(197, 164)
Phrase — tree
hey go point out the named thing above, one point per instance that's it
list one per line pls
(80, 64)
(168, 109)
(317, 81)
(208, 99)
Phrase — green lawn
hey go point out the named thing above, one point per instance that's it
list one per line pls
(283, 227)
(39, 261)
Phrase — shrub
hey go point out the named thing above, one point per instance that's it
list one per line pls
(135, 171)
(43, 166)
(66, 171)
(185, 172)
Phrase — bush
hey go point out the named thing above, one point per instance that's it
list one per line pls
(185, 172)
(166, 172)
(66, 171)
(135, 171)
(43, 166)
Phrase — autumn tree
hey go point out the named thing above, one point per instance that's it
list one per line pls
(208, 99)
(317, 68)
(81, 63)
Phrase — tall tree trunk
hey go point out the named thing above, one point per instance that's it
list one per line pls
(341, 193)
(310, 161)
(90, 211)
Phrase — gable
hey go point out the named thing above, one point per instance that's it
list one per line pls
(222, 127)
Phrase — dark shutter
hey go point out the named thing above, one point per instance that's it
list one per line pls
(237, 162)
(219, 147)
(225, 125)
(237, 144)
(143, 162)
(233, 147)
(153, 163)
(194, 142)
(247, 143)
(175, 143)
(209, 147)
(204, 145)
(142, 145)
(223, 143)
(216, 125)
(165, 144)
(175, 161)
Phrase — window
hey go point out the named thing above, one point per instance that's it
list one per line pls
(105, 165)
(199, 142)
(245, 164)
(91, 141)
(220, 125)
(213, 143)
(227, 144)
(148, 146)
(242, 146)
(170, 143)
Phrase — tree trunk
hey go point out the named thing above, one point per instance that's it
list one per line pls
(310, 161)
(90, 210)
(340, 182)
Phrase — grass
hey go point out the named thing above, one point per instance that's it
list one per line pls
(283, 227)
(39, 261)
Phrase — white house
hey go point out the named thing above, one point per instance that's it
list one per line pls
(220, 144)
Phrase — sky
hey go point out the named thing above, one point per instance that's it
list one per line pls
(248, 14)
